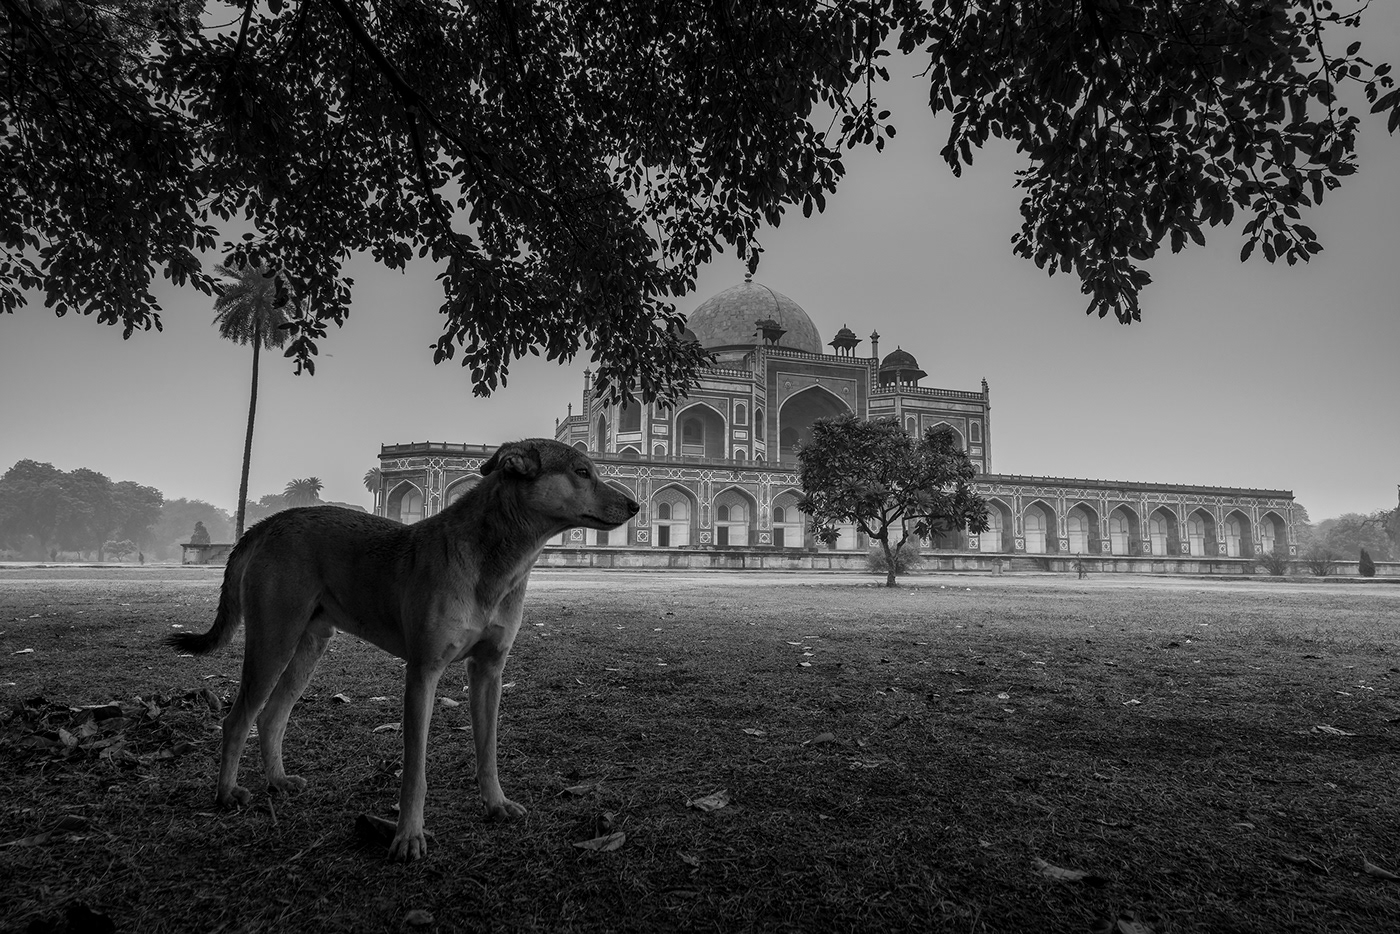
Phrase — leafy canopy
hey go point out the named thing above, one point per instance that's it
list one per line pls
(570, 164)
(890, 485)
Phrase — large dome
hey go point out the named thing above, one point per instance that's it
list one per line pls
(728, 319)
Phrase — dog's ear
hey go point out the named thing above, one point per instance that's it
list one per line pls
(519, 459)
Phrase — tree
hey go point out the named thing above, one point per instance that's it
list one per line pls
(306, 492)
(138, 509)
(1366, 567)
(873, 474)
(373, 478)
(267, 505)
(1350, 532)
(250, 311)
(570, 164)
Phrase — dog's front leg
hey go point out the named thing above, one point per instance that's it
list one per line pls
(484, 691)
(410, 841)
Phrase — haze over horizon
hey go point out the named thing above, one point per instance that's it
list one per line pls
(1244, 375)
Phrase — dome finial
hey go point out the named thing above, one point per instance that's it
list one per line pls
(748, 277)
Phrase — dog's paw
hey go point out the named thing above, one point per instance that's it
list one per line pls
(236, 797)
(407, 847)
(504, 811)
(286, 785)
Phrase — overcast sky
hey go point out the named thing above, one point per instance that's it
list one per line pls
(1239, 375)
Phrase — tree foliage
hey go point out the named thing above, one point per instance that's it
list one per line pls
(79, 509)
(303, 492)
(890, 485)
(569, 165)
(1350, 532)
(177, 522)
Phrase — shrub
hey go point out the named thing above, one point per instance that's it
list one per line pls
(1368, 567)
(1321, 560)
(905, 560)
(1276, 562)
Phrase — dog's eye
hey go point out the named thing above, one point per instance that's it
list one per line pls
(582, 472)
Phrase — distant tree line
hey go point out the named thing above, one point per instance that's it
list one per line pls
(46, 513)
(1346, 537)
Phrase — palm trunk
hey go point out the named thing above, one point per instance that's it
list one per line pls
(248, 440)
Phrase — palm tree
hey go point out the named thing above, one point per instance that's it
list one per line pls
(246, 312)
(373, 476)
(305, 492)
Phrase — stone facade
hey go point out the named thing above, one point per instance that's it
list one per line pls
(718, 472)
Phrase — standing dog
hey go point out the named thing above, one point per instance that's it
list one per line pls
(448, 588)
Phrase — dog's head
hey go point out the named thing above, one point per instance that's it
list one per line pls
(561, 484)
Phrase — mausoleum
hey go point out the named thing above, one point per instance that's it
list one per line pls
(716, 475)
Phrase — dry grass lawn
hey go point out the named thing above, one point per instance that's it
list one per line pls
(1213, 756)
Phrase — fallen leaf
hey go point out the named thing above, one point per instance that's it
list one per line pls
(580, 790)
(394, 727)
(1331, 730)
(418, 918)
(604, 844)
(692, 861)
(449, 702)
(23, 652)
(805, 664)
(343, 698)
(379, 699)
(820, 738)
(1371, 869)
(753, 732)
(711, 802)
(1060, 874)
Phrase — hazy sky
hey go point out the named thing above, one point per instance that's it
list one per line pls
(1239, 375)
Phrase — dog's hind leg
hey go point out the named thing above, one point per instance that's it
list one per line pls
(274, 628)
(272, 722)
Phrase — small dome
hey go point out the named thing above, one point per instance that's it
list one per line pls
(845, 334)
(899, 358)
(729, 319)
(900, 367)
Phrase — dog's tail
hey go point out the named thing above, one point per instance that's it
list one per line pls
(229, 615)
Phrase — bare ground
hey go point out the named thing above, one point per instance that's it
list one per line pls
(948, 746)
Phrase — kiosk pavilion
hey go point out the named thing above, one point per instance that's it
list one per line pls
(716, 476)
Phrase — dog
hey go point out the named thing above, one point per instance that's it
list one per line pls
(448, 588)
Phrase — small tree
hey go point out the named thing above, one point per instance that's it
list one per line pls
(1368, 567)
(119, 550)
(873, 474)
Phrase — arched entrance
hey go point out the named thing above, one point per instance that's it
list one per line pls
(787, 522)
(796, 415)
(734, 514)
(1124, 531)
(1163, 532)
(996, 537)
(1239, 540)
(1273, 534)
(1200, 534)
(459, 489)
(405, 503)
(672, 512)
(1082, 529)
(1038, 521)
(700, 431)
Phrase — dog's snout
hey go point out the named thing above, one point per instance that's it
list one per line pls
(633, 507)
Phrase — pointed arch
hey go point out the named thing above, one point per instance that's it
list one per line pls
(998, 536)
(457, 489)
(1273, 534)
(1201, 540)
(735, 518)
(1164, 531)
(629, 417)
(1124, 530)
(788, 522)
(1239, 535)
(1042, 533)
(799, 411)
(674, 511)
(961, 443)
(600, 436)
(405, 503)
(701, 431)
(1082, 529)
